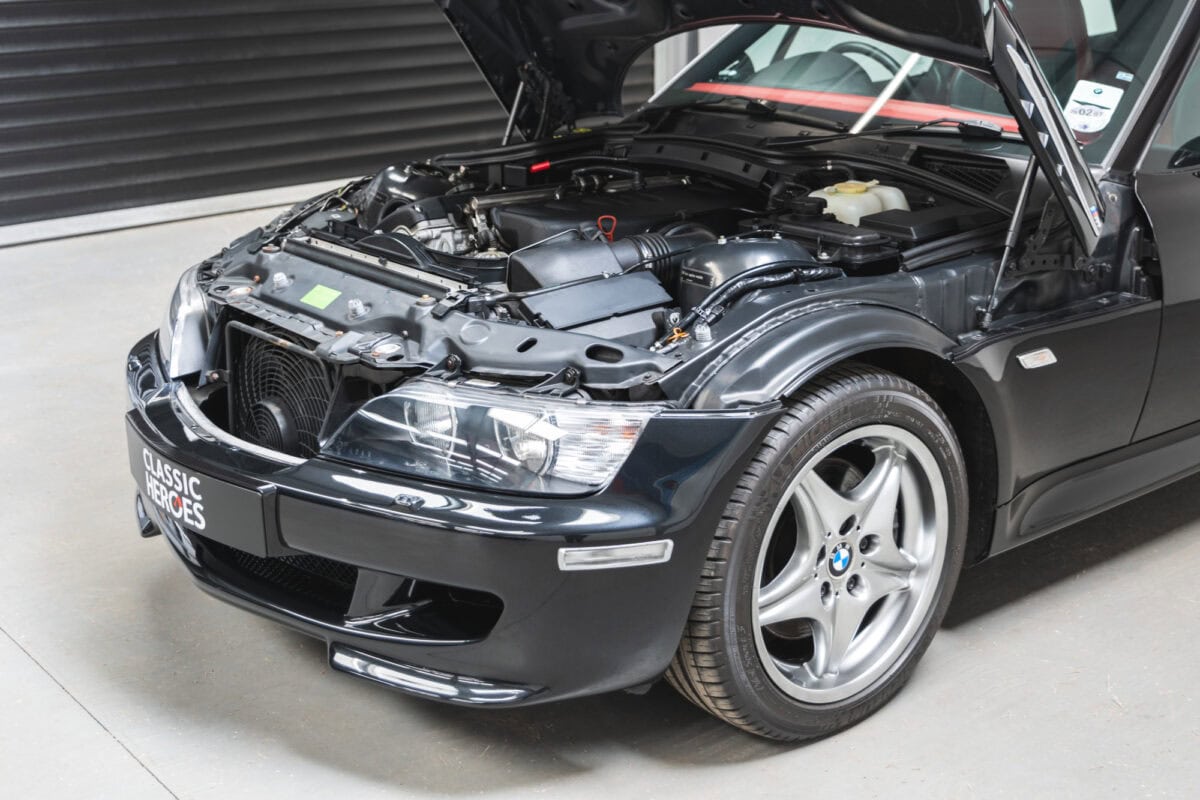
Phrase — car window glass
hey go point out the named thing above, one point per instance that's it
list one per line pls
(836, 73)
(1177, 143)
(1097, 55)
(764, 49)
(807, 40)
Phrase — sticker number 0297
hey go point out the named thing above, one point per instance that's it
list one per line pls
(174, 491)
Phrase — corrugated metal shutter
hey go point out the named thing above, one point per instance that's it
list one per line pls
(114, 103)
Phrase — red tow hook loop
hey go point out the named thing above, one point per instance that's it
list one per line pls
(607, 225)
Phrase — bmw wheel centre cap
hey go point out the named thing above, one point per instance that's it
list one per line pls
(839, 560)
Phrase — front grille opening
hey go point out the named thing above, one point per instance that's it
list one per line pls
(437, 611)
(324, 589)
(279, 390)
(306, 583)
(472, 614)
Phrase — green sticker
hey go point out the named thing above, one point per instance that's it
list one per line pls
(320, 297)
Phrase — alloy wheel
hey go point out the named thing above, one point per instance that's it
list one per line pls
(850, 563)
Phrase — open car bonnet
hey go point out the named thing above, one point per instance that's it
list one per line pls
(567, 59)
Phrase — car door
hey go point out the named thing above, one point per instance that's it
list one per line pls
(1168, 185)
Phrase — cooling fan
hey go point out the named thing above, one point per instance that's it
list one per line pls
(281, 393)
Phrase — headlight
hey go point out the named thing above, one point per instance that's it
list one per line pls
(183, 335)
(491, 439)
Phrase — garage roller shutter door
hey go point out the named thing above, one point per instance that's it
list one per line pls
(113, 103)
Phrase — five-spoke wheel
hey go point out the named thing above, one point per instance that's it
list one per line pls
(834, 562)
(844, 578)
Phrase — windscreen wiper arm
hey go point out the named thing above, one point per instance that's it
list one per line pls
(975, 129)
(750, 106)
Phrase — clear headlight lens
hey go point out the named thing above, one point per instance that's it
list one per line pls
(431, 425)
(491, 439)
(183, 335)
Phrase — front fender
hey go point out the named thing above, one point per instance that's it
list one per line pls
(774, 359)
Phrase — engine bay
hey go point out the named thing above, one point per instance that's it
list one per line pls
(587, 278)
(631, 255)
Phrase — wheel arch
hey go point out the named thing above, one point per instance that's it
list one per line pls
(789, 356)
(964, 407)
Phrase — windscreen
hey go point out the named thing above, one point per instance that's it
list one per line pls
(1097, 56)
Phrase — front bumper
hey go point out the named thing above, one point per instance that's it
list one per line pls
(554, 634)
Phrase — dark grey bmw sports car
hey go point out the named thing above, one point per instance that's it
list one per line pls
(727, 390)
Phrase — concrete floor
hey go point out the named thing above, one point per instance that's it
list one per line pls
(1067, 669)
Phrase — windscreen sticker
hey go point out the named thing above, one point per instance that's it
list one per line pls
(320, 297)
(1091, 106)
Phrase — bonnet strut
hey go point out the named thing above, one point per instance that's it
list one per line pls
(512, 115)
(1010, 241)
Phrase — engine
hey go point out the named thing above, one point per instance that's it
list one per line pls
(628, 254)
(448, 213)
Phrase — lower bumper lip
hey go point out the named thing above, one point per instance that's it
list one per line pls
(426, 682)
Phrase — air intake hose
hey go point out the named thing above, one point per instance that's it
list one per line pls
(775, 273)
(656, 252)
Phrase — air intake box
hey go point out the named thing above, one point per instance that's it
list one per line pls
(594, 301)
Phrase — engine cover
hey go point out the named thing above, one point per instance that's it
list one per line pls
(520, 225)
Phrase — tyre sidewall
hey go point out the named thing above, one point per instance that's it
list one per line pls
(876, 403)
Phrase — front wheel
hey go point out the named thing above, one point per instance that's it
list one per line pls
(833, 564)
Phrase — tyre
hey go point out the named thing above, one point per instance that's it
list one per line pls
(833, 564)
